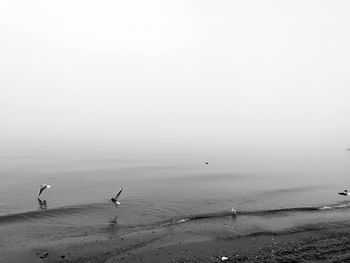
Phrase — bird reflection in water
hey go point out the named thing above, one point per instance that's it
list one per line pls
(113, 221)
(113, 225)
(42, 204)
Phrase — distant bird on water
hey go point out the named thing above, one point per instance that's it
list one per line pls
(42, 188)
(345, 193)
(114, 200)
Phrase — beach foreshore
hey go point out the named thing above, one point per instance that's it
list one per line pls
(321, 245)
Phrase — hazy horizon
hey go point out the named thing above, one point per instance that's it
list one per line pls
(175, 73)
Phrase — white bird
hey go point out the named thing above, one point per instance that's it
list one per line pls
(345, 193)
(224, 259)
(42, 188)
(114, 200)
(234, 212)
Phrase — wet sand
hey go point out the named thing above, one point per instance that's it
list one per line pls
(331, 245)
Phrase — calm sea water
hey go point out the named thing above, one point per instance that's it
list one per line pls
(163, 188)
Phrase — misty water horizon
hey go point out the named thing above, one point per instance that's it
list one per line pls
(162, 187)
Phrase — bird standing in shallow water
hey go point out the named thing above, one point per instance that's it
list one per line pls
(42, 188)
(114, 200)
(234, 212)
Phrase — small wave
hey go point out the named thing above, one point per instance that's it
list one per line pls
(343, 205)
(32, 215)
(64, 211)
(326, 208)
(246, 213)
(340, 205)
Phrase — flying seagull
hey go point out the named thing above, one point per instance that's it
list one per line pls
(114, 199)
(42, 188)
(345, 193)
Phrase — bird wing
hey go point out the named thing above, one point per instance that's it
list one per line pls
(118, 194)
(42, 188)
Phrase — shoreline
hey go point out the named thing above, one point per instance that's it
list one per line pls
(323, 245)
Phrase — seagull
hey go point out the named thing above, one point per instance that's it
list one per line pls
(234, 212)
(42, 188)
(345, 193)
(114, 199)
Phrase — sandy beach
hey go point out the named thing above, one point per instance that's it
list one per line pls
(320, 245)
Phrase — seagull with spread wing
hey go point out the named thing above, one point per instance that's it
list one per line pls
(114, 200)
(345, 193)
(42, 188)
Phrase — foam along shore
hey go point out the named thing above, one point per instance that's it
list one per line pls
(169, 245)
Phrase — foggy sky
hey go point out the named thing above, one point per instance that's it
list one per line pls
(167, 72)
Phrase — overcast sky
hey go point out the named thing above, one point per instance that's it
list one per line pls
(215, 72)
